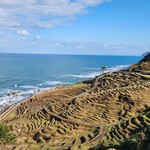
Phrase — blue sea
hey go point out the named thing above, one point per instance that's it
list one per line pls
(23, 75)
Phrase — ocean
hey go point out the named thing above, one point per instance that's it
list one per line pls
(23, 75)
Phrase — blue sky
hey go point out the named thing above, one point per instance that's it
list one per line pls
(99, 27)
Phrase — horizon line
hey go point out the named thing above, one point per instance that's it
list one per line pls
(68, 54)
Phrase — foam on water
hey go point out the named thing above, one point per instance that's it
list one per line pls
(55, 83)
(8, 96)
(28, 87)
(16, 96)
(86, 75)
(94, 73)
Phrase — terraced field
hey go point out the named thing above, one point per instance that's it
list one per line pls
(108, 108)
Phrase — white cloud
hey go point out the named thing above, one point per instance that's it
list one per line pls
(22, 32)
(117, 47)
(41, 13)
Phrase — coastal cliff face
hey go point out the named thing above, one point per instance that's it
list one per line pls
(111, 110)
(143, 65)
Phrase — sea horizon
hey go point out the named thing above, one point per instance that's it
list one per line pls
(70, 54)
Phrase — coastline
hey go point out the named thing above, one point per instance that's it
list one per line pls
(37, 73)
(85, 114)
(15, 96)
(8, 108)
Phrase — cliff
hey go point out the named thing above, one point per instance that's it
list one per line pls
(143, 65)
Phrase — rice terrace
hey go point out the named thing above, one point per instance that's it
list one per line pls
(98, 113)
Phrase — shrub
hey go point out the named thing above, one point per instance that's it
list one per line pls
(5, 136)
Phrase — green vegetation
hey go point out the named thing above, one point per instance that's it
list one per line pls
(139, 141)
(5, 136)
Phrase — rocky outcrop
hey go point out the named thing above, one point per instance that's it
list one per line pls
(143, 65)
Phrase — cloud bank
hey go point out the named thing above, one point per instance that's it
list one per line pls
(38, 44)
(20, 14)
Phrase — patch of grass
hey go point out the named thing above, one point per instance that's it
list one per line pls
(5, 135)
(11, 115)
(140, 141)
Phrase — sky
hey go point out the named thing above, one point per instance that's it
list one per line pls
(88, 27)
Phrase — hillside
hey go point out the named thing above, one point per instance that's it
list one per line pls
(100, 113)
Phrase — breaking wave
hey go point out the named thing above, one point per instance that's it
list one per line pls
(97, 71)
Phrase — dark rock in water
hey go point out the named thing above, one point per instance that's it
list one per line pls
(103, 68)
(12, 94)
